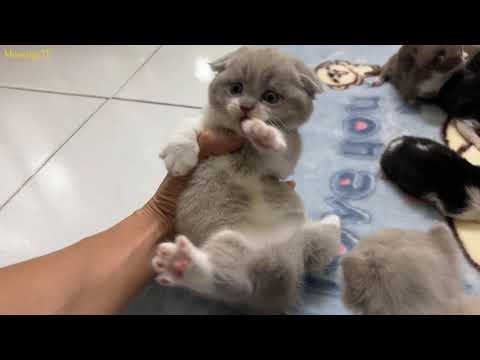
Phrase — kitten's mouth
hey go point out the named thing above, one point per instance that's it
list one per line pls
(243, 118)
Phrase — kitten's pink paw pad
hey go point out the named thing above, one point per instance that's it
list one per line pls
(173, 260)
(180, 266)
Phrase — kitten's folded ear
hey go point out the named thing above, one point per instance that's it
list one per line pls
(221, 64)
(310, 81)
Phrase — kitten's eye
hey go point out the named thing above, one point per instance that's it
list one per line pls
(270, 97)
(236, 88)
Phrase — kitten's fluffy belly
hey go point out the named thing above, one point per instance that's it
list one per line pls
(220, 196)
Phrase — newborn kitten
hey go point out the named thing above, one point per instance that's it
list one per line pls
(460, 98)
(432, 172)
(419, 71)
(404, 272)
(244, 236)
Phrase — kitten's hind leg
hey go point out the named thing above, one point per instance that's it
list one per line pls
(467, 128)
(276, 273)
(315, 243)
(322, 242)
(217, 269)
(183, 264)
(229, 252)
(277, 270)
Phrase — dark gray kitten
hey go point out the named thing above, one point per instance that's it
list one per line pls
(245, 238)
(419, 71)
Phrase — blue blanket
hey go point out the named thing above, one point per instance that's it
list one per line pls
(338, 173)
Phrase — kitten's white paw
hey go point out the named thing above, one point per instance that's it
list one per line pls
(331, 220)
(264, 135)
(180, 158)
(181, 263)
(377, 83)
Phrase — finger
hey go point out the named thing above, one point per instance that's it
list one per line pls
(218, 143)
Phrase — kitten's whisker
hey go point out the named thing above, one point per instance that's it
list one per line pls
(280, 125)
(280, 122)
(274, 123)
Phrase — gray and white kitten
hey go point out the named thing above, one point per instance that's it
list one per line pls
(244, 236)
(406, 272)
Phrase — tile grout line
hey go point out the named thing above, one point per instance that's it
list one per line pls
(99, 97)
(157, 103)
(106, 100)
(53, 92)
(112, 97)
(86, 95)
(52, 155)
(135, 72)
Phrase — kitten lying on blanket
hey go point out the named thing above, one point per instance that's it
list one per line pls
(432, 172)
(444, 75)
(402, 272)
(244, 236)
(460, 98)
(419, 71)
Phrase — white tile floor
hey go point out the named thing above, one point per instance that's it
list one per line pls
(80, 130)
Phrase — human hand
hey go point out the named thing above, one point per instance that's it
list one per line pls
(162, 206)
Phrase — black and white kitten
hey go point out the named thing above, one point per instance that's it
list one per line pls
(459, 97)
(432, 172)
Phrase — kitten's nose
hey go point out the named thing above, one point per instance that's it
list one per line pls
(246, 107)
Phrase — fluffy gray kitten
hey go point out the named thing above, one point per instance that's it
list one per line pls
(244, 236)
(406, 272)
